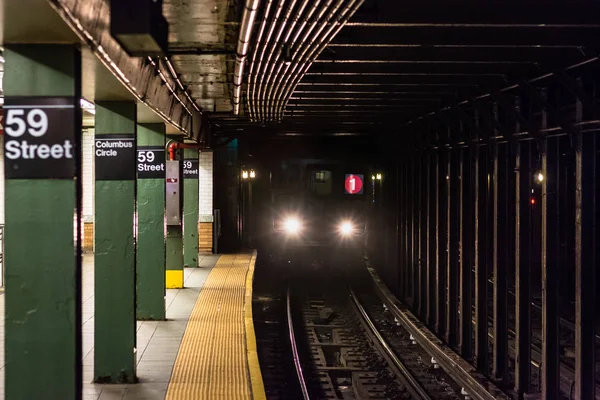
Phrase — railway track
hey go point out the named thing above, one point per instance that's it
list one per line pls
(344, 349)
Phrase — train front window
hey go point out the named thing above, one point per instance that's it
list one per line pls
(321, 183)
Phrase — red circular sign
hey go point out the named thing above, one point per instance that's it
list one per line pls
(353, 184)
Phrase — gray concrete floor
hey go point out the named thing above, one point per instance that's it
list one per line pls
(157, 341)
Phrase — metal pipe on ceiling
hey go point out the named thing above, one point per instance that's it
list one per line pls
(262, 112)
(251, 76)
(247, 24)
(333, 30)
(269, 66)
(269, 84)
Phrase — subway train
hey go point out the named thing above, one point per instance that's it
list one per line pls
(317, 211)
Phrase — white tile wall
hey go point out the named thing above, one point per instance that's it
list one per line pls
(205, 186)
(87, 161)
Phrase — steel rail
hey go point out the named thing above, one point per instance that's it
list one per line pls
(294, 347)
(415, 389)
(475, 384)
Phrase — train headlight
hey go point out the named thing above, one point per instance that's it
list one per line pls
(292, 225)
(346, 228)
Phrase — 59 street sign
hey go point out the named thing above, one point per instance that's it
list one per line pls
(150, 162)
(40, 141)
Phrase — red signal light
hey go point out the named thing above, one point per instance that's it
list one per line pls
(532, 200)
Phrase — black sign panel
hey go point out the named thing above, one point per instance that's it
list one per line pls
(40, 137)
(190, 168)
(115, 157)
(150, 162)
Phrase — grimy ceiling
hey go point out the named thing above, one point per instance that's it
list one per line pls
(350, 67)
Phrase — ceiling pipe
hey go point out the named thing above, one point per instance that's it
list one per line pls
(268, 70)
(306, 44)
(247, 24)
(251, 75)
(272, 77)
(277, 80)
(264, 49)
(316, 51)
(177, 145)
(260, 77)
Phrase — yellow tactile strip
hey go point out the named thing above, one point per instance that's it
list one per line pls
(212, 360)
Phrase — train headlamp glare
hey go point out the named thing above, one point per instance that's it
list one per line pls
(346, 228)
(292, 225)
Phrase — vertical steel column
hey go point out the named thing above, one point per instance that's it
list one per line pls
(411, 241)
(585, 265)
(401, 226)
(453, 233)
(480, 176)
(406, 259)
(466, 250)
(436, 242)
(424, 235)
(430, 198)
(522, 268)
(150, 249)
(419, 260)
(442, 206)
(500, 189)
(43, 222)
(550, 270)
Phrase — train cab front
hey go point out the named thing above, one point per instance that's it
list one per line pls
(325, 240)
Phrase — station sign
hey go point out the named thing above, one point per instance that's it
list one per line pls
(40, 137)
(191, 168)
(115, 156)
(150, 162)
(353, 184)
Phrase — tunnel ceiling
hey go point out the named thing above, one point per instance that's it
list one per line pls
(393, 62)
(202, 37)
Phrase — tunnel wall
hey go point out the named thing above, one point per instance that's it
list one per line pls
(488, 208)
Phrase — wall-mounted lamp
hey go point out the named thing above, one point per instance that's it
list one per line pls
(252, 174)
(539, 177)
(378, 177)
(248, 174)
(244, 174)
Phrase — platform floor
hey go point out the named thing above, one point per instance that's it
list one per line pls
(158, 341)
(213, 359)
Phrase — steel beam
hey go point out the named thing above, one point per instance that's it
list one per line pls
(430, 236)
(523, 251)
(417, 279)
(452, 234)
(550, 270)
(585, 264)
(442, 246)
(466, 250)
(481, 259)
(499, 243)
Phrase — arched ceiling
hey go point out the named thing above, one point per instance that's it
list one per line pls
(393, 61)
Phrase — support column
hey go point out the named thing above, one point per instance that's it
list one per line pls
(174, 272)
(42, 251)
(115, 319)
(190, 207)
(150, 261)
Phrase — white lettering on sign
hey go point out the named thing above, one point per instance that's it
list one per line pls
(33, 122)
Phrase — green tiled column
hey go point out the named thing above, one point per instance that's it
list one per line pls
(42, 255)
(150, 260)
(115, 319)
(190, 209)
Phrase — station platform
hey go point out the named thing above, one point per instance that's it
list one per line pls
(204, 350)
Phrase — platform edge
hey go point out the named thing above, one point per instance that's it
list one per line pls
(256, 381)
